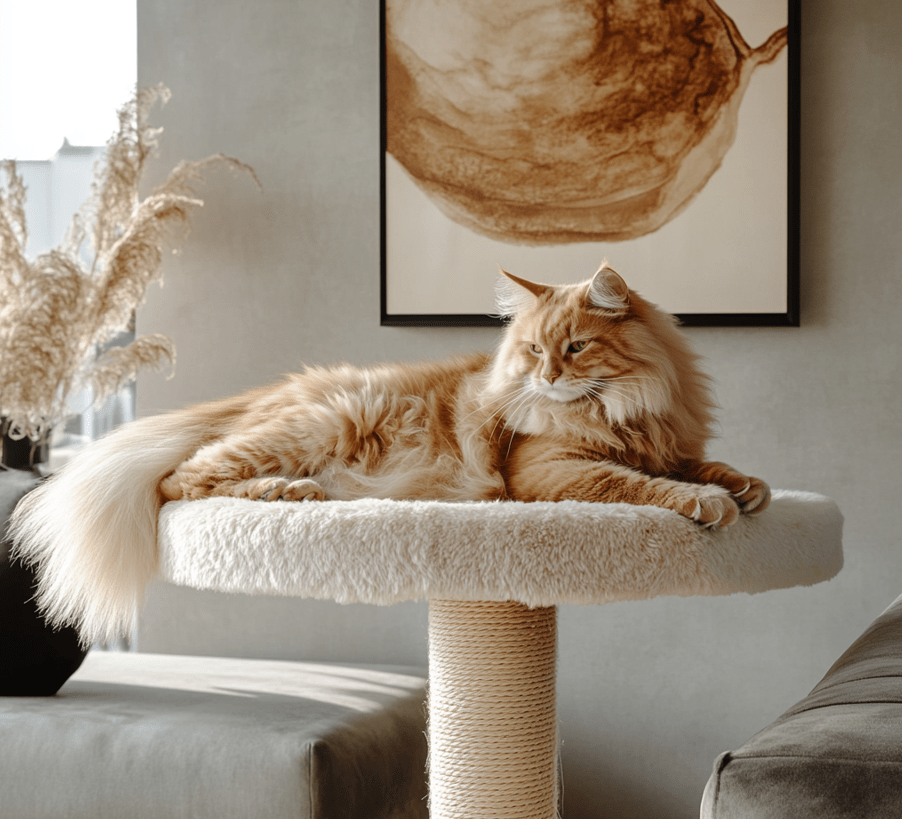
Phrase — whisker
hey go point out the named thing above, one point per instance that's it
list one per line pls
(493, 401)
(511, 442)
(608, 390)
(509, 417)
(500, 414)
(511, 407)
(502, 401)
(623, 396)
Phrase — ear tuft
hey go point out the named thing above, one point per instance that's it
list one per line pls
(513, 294)
(607, 291)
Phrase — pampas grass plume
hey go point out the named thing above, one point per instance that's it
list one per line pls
(57, 311)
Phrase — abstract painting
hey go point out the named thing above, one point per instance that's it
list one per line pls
(544, 135)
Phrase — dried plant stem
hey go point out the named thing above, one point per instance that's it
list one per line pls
(57, 311)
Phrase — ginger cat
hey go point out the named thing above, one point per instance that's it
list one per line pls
(592, 395)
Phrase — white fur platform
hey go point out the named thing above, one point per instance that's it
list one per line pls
(540, 554)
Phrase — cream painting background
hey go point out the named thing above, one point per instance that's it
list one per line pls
(726, 253)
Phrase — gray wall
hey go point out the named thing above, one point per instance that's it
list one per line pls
(650, 692)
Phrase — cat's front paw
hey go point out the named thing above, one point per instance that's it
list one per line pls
(708, 505)
(273, 489)
(752, 494)
(276, 489)
(303, 490)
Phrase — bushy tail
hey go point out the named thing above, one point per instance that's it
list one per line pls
(91, 529)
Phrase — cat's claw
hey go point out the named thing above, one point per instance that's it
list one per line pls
(754, 498)
(299, 490)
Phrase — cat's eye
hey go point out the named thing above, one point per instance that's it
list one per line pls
(535, 348)
(576, 346)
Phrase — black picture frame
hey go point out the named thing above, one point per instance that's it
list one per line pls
(785, 317)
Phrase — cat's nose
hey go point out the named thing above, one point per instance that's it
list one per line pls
(551, 377)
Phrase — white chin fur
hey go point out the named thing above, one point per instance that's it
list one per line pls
(562, 393)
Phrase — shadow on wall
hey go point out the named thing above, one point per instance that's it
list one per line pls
(616, 795)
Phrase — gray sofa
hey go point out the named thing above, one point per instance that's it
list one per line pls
(147, 736)
(143, 736)
(835, 754)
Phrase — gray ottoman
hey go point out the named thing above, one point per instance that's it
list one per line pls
(836, 754)
(142, 736)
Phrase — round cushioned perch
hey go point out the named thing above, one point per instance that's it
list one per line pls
(493, 573)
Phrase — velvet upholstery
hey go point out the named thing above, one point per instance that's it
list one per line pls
(836, 754)
(163, 737)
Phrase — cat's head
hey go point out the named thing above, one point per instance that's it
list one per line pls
(595, 343)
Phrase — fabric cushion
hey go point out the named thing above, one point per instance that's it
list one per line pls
(835, 754)
(162, 737)
(540, 554)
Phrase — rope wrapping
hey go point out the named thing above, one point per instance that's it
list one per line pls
(492, 718)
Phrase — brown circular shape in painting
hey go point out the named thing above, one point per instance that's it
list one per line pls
(555, 121)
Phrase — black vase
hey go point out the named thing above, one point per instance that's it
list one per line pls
(35, 658)
(23, 453)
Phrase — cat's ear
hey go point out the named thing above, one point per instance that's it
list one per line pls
(607, 291)
(513, 294)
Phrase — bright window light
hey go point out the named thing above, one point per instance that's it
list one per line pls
(65, 69)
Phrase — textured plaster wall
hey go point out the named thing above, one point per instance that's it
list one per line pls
(649, 692)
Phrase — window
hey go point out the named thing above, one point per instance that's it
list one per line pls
(65, 69)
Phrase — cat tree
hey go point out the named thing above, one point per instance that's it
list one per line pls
(493, 574)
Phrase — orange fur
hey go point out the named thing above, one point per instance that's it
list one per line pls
(593, 394)
(625, 418)
(407, 431)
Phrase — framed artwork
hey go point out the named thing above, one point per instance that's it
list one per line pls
(546, 135)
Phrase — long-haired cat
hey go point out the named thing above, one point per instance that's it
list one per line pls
(592, 395)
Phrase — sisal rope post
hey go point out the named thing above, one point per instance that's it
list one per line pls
(492, 718)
